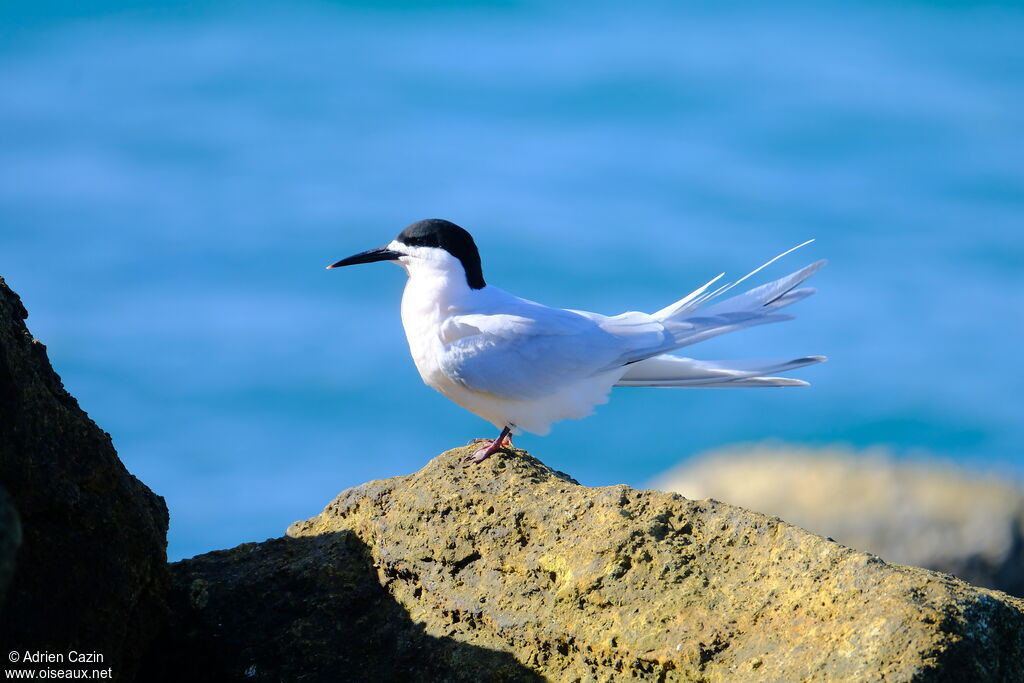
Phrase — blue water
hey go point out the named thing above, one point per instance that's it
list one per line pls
(174, 178)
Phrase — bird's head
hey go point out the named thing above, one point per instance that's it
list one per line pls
(433, 244)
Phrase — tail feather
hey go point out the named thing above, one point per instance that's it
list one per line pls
(757, 382)
(791, 297)
(755, 271)
(682, 324)
(677, 371)
(767, 294)
(698, 328)
(688, 303)
(699, 297)
(757, 306)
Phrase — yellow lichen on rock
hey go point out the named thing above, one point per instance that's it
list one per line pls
(650, 584)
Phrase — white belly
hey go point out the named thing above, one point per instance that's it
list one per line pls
(424, 311)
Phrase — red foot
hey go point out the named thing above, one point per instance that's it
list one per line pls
(492, 447)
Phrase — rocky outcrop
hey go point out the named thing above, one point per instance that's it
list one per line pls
(504, 571)
(10, 539)
(306, 609)
(91, 571)
(925, 513)
(509, 570)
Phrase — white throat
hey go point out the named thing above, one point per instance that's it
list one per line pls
(436, 288)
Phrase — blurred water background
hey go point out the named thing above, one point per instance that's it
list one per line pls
(174, 177)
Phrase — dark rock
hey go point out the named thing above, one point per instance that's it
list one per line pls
(10, 539)
(91, 571)
(508, 570)
(306, 609)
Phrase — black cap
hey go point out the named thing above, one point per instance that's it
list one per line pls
(437, 232)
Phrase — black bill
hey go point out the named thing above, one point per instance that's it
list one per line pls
(371, 256)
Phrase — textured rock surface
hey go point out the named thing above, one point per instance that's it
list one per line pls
(503, 571)
(305, 609)
(91, 571)
(10, 539)
(510, 568)
(919, 512)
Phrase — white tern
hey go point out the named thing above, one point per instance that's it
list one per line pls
(523, 366)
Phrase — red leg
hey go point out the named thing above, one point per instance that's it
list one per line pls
(507, 442)
(481, 454)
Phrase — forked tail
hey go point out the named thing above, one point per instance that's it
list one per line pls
(688, 321)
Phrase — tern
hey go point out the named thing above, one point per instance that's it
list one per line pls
(522, 366)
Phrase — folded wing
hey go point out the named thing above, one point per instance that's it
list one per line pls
(528, 350)
(531, 351)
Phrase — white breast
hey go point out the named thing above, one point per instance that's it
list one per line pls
(436, 291)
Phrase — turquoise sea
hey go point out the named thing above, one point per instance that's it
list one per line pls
(175, 176)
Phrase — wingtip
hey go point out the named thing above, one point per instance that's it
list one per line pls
(772, 382)
(813, 268)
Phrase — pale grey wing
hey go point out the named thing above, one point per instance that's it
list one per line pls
(677, 371)
(532, 353)
(641, 335)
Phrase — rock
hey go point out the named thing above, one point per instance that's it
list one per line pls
(306, 609)
(10, 539)
(506, 571)
(510, 571)
(925, 513)
(91, 573)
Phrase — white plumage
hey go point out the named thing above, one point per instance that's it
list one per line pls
(523, 366)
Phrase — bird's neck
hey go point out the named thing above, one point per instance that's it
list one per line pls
(433, 293)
